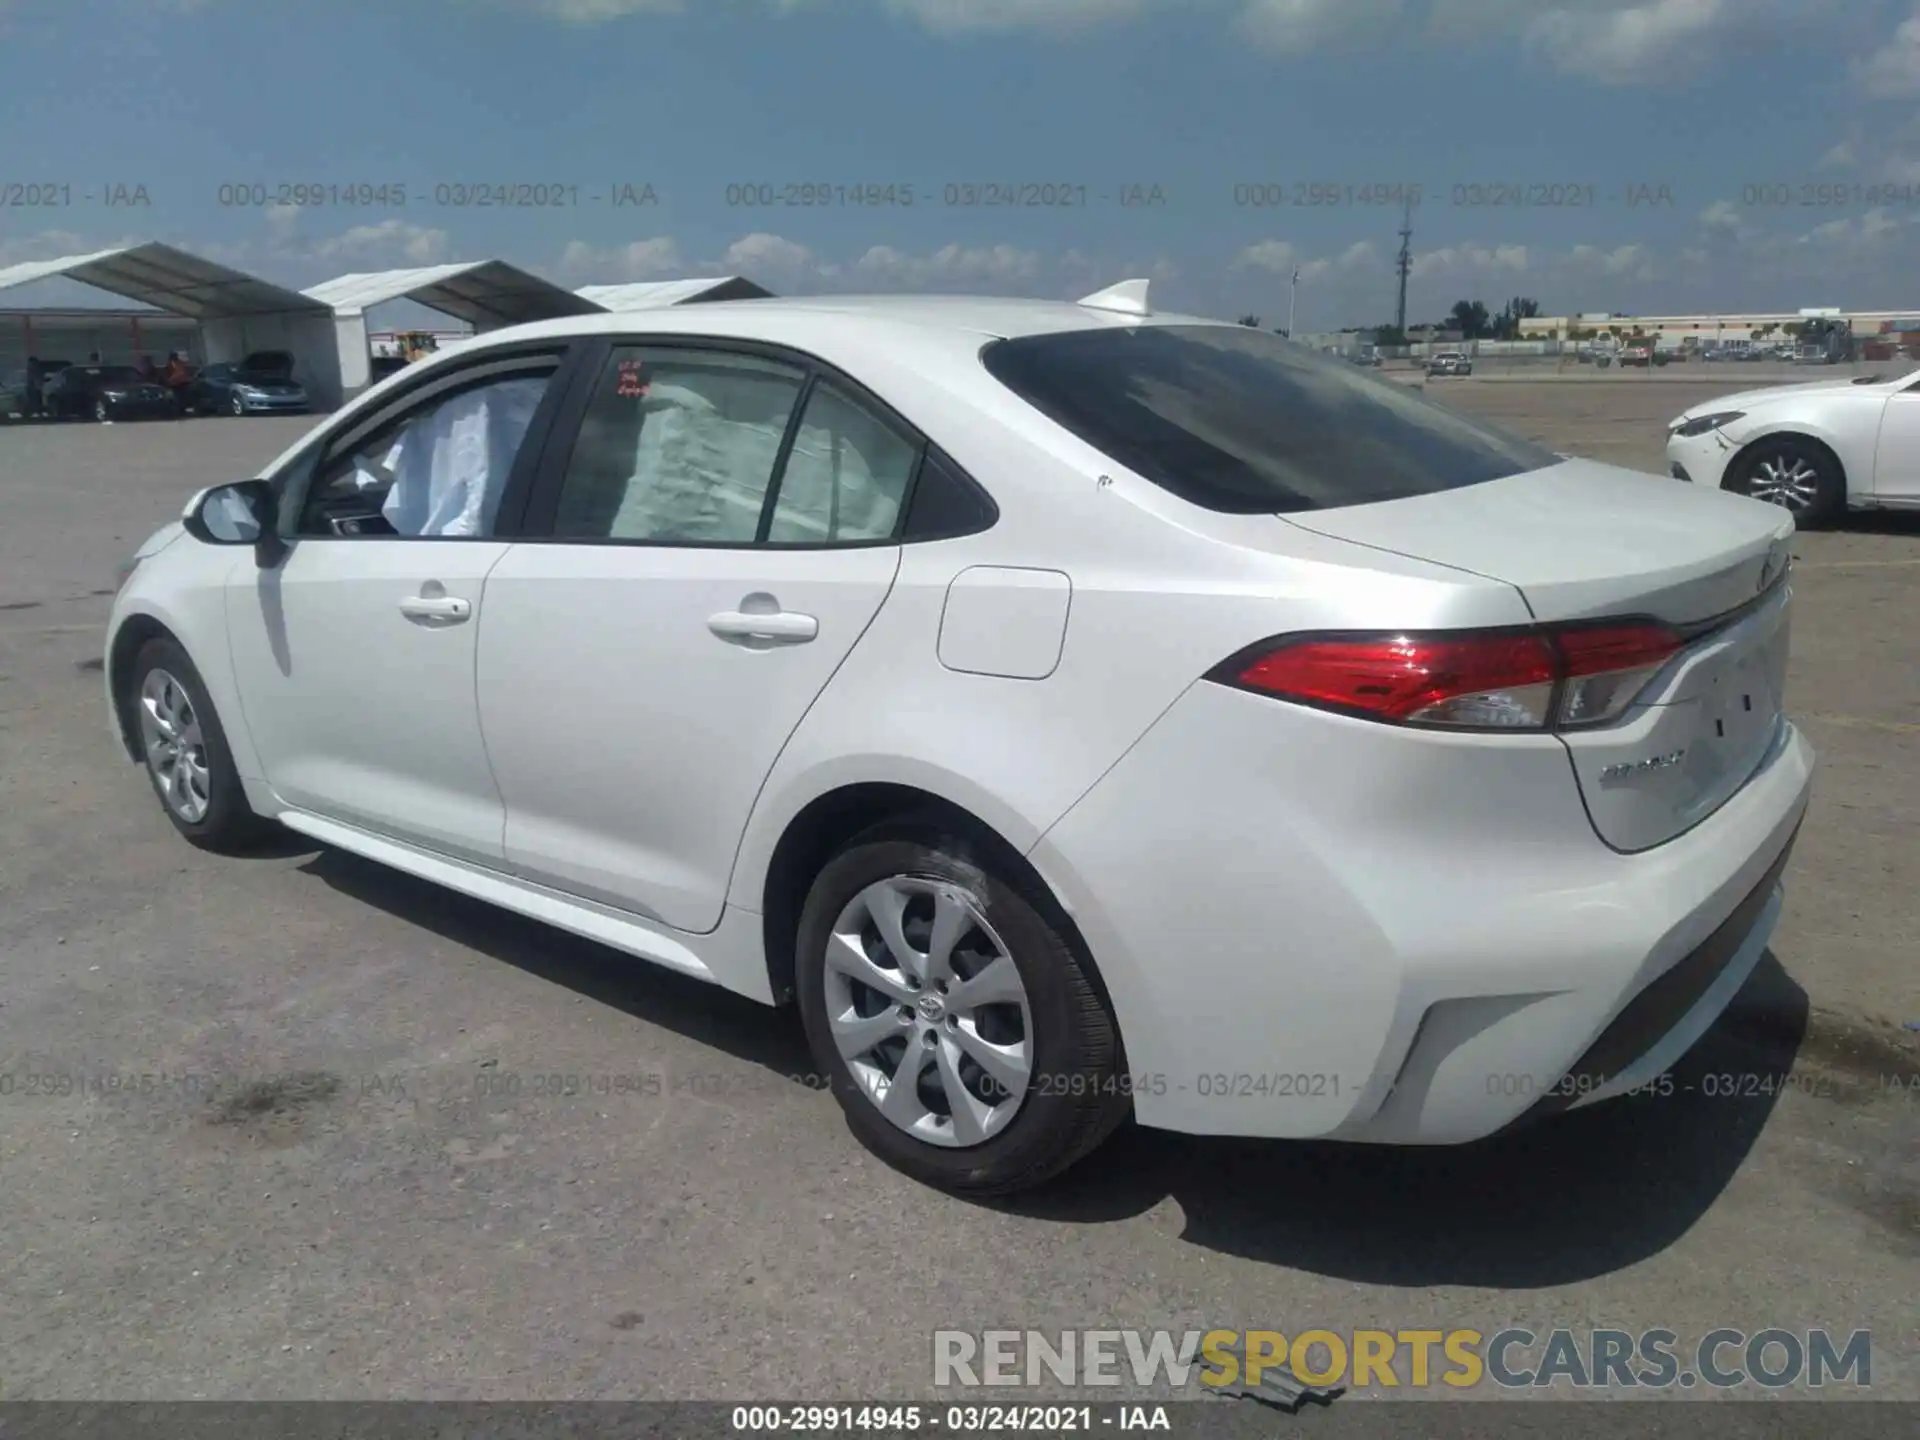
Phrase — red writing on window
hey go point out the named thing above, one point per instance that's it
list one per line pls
(633, 380)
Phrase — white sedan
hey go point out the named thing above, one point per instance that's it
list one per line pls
(1817, 449)
(1078, 711)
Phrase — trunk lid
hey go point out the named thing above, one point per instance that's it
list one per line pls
(1586, 541)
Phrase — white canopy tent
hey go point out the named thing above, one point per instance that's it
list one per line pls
(650, 294)
(487, 294)
(237, 313)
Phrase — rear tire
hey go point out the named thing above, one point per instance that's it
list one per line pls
(188, 761)
(1795, 474)
(1036, 1003)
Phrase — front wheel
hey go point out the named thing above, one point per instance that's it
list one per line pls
(236, 406)
(953, 1015)
(185, 748)
(1796, 475)
(102, 411)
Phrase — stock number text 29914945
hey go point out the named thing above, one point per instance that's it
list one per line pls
(971, 1419)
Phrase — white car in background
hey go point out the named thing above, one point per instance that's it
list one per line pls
(1816, 449)
(1078, 711)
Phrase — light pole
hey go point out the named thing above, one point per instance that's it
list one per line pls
(1293, 296)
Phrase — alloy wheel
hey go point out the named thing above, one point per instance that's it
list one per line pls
(100, 411)
(238, 406)
(1785, 479)
(176, 751)
(928, 1010)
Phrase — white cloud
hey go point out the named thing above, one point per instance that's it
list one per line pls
(1892, 72)
(388, 240)
(656, 259)
(786, 264)
(1282, 258)
(1721, 215)
(47, 245)
(963, 17)
(1471, 262)
(1622, 43)
(1615, 42)
(986, 267)
(1623, 262)
(282, 222)
(598, 12)
(789, 267)
(1293, 27)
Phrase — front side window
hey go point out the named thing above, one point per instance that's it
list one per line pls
(679, 447)
(438, 470)
(1243, 422)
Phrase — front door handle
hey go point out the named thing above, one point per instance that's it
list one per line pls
(782, 627)
(442, 609)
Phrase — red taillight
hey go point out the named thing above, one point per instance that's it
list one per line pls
(1579, 675)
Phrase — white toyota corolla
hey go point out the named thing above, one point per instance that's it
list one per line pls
(1079, 711)
(1816, 449)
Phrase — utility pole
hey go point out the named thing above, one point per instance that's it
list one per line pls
(1404, 266)
(1293, 296)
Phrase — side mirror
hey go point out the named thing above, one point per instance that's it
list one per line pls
(244, 513)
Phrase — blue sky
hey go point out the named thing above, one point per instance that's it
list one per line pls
(1603, 100)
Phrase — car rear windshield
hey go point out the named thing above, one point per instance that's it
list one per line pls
(117, 375)
(1240, 421)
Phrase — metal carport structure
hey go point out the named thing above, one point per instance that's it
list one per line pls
(487, 294)
(237, 312)
(650, 294)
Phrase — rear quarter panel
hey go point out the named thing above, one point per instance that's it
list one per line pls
(1160, 594)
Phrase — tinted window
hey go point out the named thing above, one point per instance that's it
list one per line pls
(678, 447)
(845, 477)
(1241, 421)
(945, 504)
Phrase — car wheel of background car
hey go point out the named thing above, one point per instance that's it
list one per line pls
(237, 406)
(101, 412)
(953, 1014)
(1796, 475)
(186, 751)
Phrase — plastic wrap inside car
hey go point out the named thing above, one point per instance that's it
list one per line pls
(450, 468)
(845, 478)
(699, 474)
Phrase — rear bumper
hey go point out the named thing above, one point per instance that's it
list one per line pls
(1347, 931)
(1662, 1022)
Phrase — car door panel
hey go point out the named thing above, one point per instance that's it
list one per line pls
(1896, 470)
(713, 530)
(634, 699)
(355, 652)
(362, 709)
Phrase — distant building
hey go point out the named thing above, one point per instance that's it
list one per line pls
(1674, 331)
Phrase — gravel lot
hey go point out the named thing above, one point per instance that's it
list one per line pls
(343, 1210)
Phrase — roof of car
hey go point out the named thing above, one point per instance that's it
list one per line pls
(789, 317)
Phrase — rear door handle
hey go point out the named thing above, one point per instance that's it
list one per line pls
(447, 609)
(782, 627)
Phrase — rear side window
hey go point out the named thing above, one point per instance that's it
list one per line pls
(1243, 422)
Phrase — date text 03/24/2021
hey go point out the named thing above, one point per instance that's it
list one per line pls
(875, 1418)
